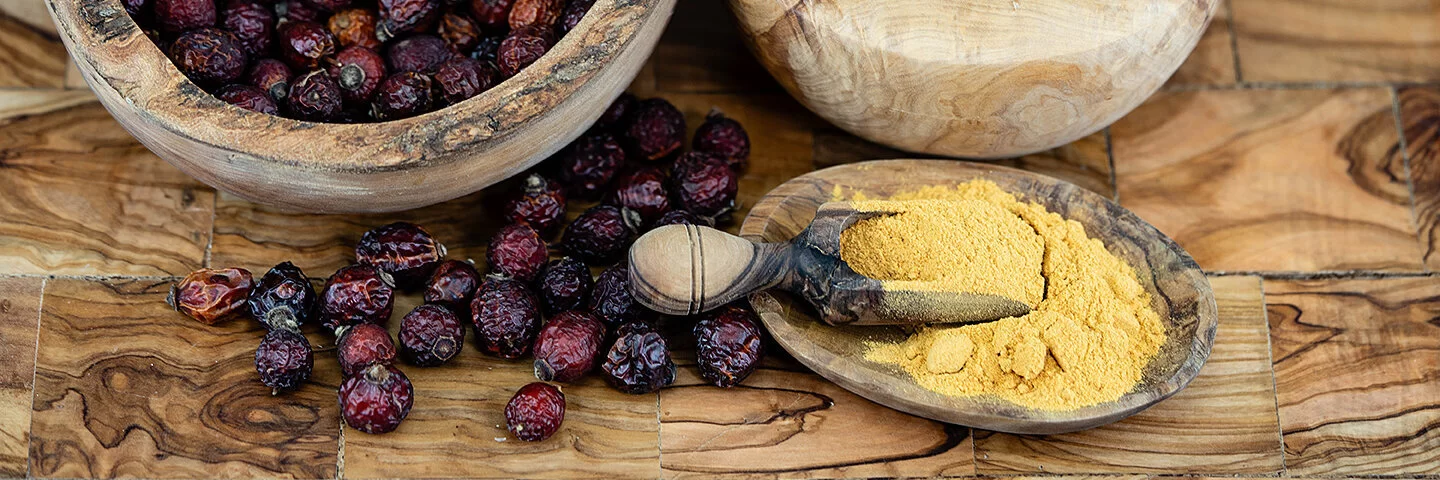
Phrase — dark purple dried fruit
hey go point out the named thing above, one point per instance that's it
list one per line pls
(330, 5)
(357, 294)
(617, 113)
(298, 11)
(212, 295)
(564, 284)
(355, 27)
(643, 191)
(403, 16)
(600, 235)
(522, 48)
(209, 56)
(681, 217)
(249, 98)
(492, 15)
(431, 335)
(525, 13)
(516, 251)
(403, 95)
(639, 361)
(272, 76)
(535, 412)
(404, 250)
(315, 97)
(175, 16)
(420, 53)
(377, 400)
(541, 204)
(612, 299)
(568, 346)
(464, 77)
(252, 23)
(656, 130)
(723, 137)
(728, 345)
(574, 11)
(283, 288)
(135, 8)
(360, 346)
(358, 72)
(284, 360)
(506, 317)
(453, 285)
(589, 164)
(704, 184)
(304, 44)
(459, 32)
(487, 50)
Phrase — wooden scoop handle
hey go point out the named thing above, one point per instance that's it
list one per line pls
(688, 269)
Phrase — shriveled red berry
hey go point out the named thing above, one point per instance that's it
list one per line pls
(600, 235)
(612, 300)
(453, 285)
(358, 72)
(357, 294)
(284, 360)
(535, 412)
(522, 48)
(330, 5)
(377, 400)
(506, 317)
(525, 13)
(299, 11)
(304, 44)
(564, 284)
(568, 346)
(431, 335)
(464, 77)
(540, 204)
(573, 13)
(402, 95)
(315, 97)
(175, 16)
(252, 23)
(404, 250)
(360, 346)
(209, 56)
(492, 14)
(656, 129)
(723, 137)
(639, 361)
(285, 288)
(589, 164)
(212, 295)
(355, 27)
(487, 50)
(643, 191)
(516, 251)
(681, 217)
(419, 53)
(399, 17)
(618, 113)
(249, 98)
(459, 32)
(272, 76)
(705, 184)
(728, 345)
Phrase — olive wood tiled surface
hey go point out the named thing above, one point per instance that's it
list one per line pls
(1294, 154)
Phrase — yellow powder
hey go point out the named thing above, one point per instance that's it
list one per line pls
(1088, 339)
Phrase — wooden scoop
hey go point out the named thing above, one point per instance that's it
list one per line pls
(688, 269)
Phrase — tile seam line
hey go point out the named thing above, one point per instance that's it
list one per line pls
(1274, 381)
(1234, 40)
(1294, 86)
(34, 376)
(214, 215)
(1404, 145)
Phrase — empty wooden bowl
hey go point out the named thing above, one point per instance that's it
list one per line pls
(987, 79)
(1179, 290)
(388, 166)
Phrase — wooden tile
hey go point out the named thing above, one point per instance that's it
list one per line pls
(125, 386)
(1338, 40)
(1223, 423)
(19, 315)
(84, 198)
(1213, 60)
(1271, 180)
(1355, 365)
(73, 79)
(1420, 121)
(31, 54)
(701, 51)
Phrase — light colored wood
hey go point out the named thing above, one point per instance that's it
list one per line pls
(973, 79)
(1338, 40)
(1181, 295)
(364, 167)
(30, 55)
(1213, 60)
(19, 317)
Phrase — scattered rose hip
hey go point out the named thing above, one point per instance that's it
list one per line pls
(506, 317)
(363, 345)
(376, 400)
(612, 300)
(404, 250)
(535, 412)
(564, 284)
(212, 296)
(516, 251)
(541, 204)
(453, 285)
(282, 297)
(601, 235)
(284, 358)
(727, 345)
(356, 294)
(568, 346)
(639, 361)
(431, 335)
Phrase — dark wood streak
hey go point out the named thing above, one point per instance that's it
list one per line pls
(1420, 125)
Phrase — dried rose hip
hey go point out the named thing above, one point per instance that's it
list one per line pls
(516, 251)
(487, 50)
(304, 44)
(212, 295)
(209, 56)
(728, 345)
(453, 285)
(656, 129)
(723, 137)
(522, 48)
(298, 11)
(464, 77)
(357, 294)
(600, 235)
(272, 76)
(403, 16)
(361, 346)
(377, 400)
(568, 346)
(315, 97)
(284, 360)
(639, 361)
(403, 95)
(506, 317)
(355, 27)
(704, 184)
(135, 7)
(617, 113)
(525, 13)
(404, 250)
(575, 11)
(284, 294)
(459, 32)
(420, 53)
(611, 299)
(535, 412)
(175, 16)
(249, 98)
(643, 191)
(330, 5)
(564, 284)
(430, 335)
(681, 217)
(358, 72)
(590, 164)
(541, 205)
(252, 23)
(492, 14)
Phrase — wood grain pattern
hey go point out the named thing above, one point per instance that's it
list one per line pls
(31, 54)
(126, 386)
(19, 318)
(1212, 63)
(1420, 123)
(83, 198)
(1223, 423)
(1355, 369)
(1271, 180)
(1338, 40)
(701, 53)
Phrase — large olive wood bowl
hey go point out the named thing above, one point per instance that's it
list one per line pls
(980, 79)
(373, 167)
(1179, 290)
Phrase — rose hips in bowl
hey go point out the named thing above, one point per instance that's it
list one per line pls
(354, 27)
(430, 335)
(403, 95)
(639, 361)
(212, 295)
(459, 32)
(315, 97)
(298, 11)
(377, 400)
(540, 204)
(209, 56)
(330, 5)
(723, 137)
(492, 14)
(522, 48)
(506, 317)
(174, 16)
(358, 72)
(618, 112)
(249, 98)
(525, 13)
(600, 235)
(398, 17)
(252, 23)
(655, 131)
(564, 284)
(272, 76)
(453, 285)
(612, 299)
(516, 251)
(574, 11)
(705, 184)
(283, 288)
(590, 163)
(418, 53)
(284, 360)
(488, 50)
(304, 44)
(535, 412)
(464, 77)
(568, 346)
(643, 191)
(728, 346)
(357, 294)
(404, 250)
(360, 346)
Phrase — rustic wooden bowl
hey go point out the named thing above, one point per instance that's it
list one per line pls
(374, 167)
(985, 79)
(1181, 294)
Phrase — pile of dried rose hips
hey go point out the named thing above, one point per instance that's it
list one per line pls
(527, 304)
(352, 61)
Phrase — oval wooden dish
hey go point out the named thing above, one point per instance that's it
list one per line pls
(373, 167)
(1181, 294)
(981, 79)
